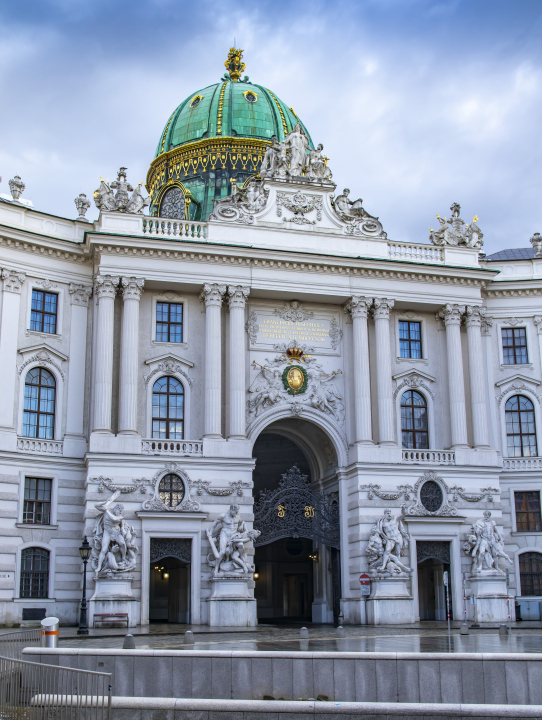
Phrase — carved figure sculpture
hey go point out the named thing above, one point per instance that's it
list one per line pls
(454, 231)
(122, 201)
(389, 540)
(322, 395)
(242, 205)
(485, 545)
(271, 159)
(316, 165)
(298, 144)
(266, 391)
(228, 537)
(113, 540)
(349, 209)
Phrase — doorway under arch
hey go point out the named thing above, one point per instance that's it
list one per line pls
(297, 558)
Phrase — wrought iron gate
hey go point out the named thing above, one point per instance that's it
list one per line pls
(294, 510)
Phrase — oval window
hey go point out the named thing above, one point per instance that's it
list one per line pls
(196, 101)
(171, 490)
(250, 97)
(431, 496)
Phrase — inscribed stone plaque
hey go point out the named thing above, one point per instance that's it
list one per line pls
(322, 331)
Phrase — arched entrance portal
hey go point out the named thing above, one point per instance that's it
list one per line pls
(296, 510)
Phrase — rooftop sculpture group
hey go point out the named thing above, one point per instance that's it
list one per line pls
(454, 231)
(292, 158)
(126, 199)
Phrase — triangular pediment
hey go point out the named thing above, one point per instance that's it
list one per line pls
(43, 347)
(171, 358)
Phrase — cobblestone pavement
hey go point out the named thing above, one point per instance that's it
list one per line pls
(422, 637)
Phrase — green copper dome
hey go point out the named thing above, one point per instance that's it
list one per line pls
(228, 109)
(216, 137)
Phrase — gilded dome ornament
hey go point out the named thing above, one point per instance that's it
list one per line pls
(234, 64)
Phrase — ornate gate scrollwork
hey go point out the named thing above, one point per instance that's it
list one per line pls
(180, 548)
(436, 549)
(294, 510)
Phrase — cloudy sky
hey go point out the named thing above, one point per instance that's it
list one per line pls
(419, 103)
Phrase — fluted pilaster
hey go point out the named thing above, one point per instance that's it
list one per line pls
(212, 296)
(132, 289)
(105, 289)
(451, 314)
(474, 316)
(381, 314)
(358, 307)
(237, 298)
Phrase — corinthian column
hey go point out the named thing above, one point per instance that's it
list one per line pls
(9, 337)
(129, 346)
(237, 298)
(79, 297)
(451, 314)
(358, 307)
(473, 320)
(212, 297)
(381, 314)
(105, 289)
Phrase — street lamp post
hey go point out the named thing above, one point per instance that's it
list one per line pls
(84, 551)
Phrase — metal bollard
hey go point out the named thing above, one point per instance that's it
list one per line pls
(189, 637)
(304, 633)
(340, 632)
(129, 642)
(503, 629)
(49, 632)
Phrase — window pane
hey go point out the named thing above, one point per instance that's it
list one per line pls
(167, 409)
(169, 318)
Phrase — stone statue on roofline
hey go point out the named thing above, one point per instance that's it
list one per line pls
(292, 159)
(454, 231)
(125, 199)
(357, 219)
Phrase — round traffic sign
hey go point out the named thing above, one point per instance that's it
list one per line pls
(364, 579)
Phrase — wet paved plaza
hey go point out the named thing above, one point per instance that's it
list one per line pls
(423, 637)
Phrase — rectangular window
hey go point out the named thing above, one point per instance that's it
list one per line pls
(43, 311)
(528, 518)
(410, 339)
(514, 346)
(34, 573)
(169, 322)
(37, 501)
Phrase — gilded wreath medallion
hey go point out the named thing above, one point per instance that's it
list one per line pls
(295, 379)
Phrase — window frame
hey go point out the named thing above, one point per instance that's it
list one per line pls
(167, 419)
(423, 335)
(413, 431)
(42, 475)
(37, 546)
(536, 491)
(57, 290)
(40, 367)
(176, 299)
(506, 399)
(526, 551)
(513, 329)
(410, 340)
(43, 314)
(36, 501)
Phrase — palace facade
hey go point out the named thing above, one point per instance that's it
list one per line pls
(258, 341)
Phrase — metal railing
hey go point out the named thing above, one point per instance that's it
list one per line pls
(12, 644)
(34, 691)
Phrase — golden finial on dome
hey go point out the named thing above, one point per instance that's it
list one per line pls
(234, 64)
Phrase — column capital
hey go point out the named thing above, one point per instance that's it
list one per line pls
(105, 286)
(474, 315)
(212, 294)
(132, 288)
(358, 306)
(80, 294)
(237, 295)
(382, 308)
(451, 314)
(13, 280)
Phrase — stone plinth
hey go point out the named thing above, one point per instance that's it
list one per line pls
(113, 595)
(390, 601)
(489, 589)
(231, 604)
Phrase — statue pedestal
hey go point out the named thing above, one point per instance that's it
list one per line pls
(231, 604)
(113, 595)
(390, 602)
(489, 589)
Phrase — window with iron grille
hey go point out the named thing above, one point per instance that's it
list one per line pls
(171, 490)
(414, 421)
(168, 409)
(43, 311)
(514, 346)
(39, 404)
(528, 517)
(520, 427)
(34, 573)
(37, 501)
(169, 322)
(530, 573)
(410, 339)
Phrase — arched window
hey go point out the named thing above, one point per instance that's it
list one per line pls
(39, 404)
(530, 573)
(171, 490)
(520, 427)
(168, 409)
(414, 421)
(34, 573)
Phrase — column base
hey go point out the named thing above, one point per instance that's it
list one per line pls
(231, 604)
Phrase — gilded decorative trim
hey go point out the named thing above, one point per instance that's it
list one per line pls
(281, 113)
(220, 107)
(165, 132)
